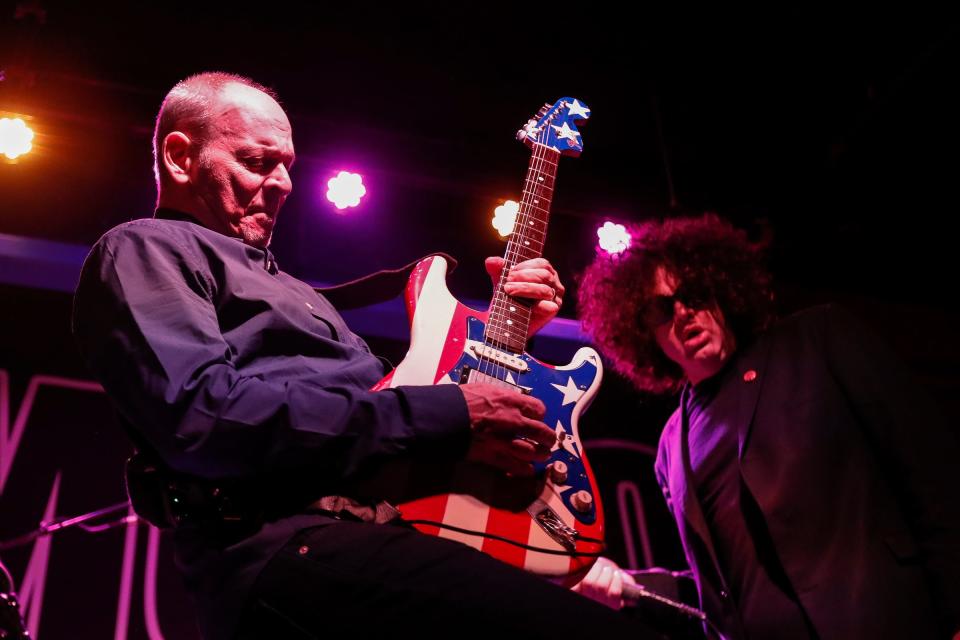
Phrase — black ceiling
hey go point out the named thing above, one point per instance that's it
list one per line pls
(835, 132)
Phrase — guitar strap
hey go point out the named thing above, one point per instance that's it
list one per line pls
(376, 287)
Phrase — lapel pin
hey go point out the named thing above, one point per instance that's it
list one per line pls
(750, 376)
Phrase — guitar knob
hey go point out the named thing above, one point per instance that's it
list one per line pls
(582, 501)
(558, 472)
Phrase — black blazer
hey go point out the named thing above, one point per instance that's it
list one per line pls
(854, 473)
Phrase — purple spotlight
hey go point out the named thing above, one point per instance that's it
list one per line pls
(613, 238)
(346, 189)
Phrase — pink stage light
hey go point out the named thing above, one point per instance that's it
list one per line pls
(346, 190)
(613, 238)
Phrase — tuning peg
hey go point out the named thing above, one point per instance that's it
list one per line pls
(528, 129)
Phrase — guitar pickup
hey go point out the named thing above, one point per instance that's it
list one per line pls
(502, 358)
(471, 376)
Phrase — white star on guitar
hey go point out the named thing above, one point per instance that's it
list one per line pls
(576, 109)
(565, 131)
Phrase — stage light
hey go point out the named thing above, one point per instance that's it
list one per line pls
(504, 217)
(15, 137)
(614, 238)
(346, 189)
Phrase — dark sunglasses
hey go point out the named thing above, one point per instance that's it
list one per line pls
(659, 310)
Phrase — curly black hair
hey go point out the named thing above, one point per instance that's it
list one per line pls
(704, 250)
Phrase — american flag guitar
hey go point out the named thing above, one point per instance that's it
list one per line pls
(551, 524)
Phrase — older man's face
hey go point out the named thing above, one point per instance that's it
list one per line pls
(242, 172)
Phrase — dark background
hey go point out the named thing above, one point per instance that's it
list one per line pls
(831, 132)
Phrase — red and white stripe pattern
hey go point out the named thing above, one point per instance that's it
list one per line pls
(438, 339)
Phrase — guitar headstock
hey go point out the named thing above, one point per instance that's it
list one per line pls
(556, 126)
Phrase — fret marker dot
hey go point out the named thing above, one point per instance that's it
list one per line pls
(509, 321)
(513, 308)
(540, 178)
(526, 242)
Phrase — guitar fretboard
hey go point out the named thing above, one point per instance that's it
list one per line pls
(509, 318)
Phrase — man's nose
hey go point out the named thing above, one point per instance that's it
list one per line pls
(279, 179)
(681, 311)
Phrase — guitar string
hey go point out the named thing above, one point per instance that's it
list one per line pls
(527, 211)
(527, 214)
(497, 319)
(499, 300)
(500, 317)
(537, 196)
(531, 195)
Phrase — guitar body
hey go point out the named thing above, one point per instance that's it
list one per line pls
(538, 524)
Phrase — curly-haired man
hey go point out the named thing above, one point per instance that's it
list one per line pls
(808, 475)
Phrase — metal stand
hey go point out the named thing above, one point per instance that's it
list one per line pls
(12, 626)
(46, 528)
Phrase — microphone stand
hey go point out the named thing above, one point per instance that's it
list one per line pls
(47, 528)
(12, 625)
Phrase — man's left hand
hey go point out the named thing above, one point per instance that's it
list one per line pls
(535, 280)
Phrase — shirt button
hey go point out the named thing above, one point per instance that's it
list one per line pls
(304, 550)
(724, 595)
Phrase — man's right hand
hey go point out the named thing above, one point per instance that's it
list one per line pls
(507, 431)
(604, 583)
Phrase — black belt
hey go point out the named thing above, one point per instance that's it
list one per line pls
(230, 511)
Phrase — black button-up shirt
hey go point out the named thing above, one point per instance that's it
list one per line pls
(231, 369)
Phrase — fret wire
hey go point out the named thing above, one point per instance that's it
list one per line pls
(538, 190)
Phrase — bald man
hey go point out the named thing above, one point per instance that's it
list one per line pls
(248, 390)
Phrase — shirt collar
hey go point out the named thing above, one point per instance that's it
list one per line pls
(261, 255)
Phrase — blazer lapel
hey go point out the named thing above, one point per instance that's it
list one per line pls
(751, 367)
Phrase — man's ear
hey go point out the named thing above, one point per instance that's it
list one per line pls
(176, 157)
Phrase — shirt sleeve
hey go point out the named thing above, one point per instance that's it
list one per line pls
(916, 446)
(146, 323)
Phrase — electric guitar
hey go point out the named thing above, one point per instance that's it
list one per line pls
(551, 524)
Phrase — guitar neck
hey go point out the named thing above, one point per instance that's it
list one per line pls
(509, 317)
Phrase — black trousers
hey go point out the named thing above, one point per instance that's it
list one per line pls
(366, 580)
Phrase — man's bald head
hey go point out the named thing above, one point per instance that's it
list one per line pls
(223, 153)
(189, 107)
